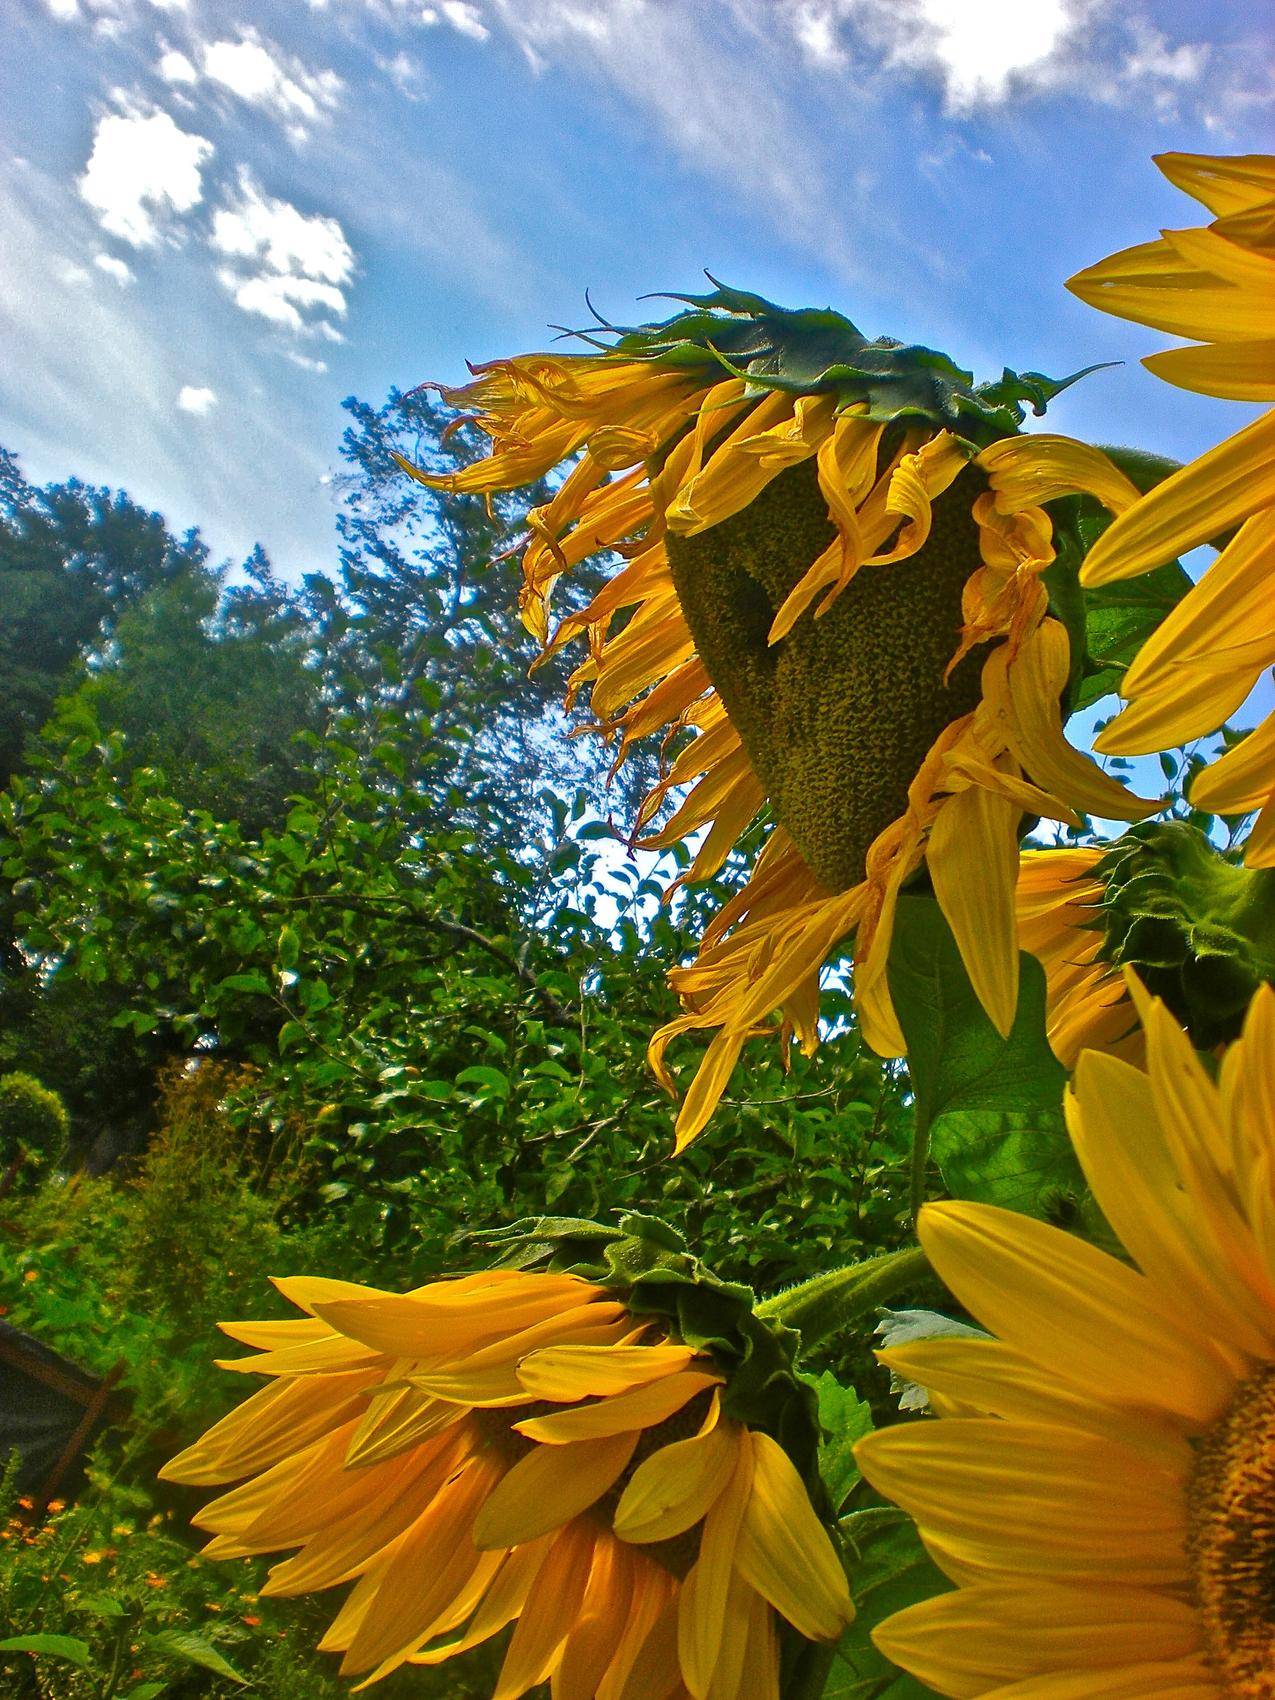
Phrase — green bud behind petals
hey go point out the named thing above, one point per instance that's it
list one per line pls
(1198, 928)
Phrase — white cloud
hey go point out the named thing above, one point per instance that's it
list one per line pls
(193, 398)
(66, 10)
(1152, 57)
(142, 171)
(174, 67)
(984, 52)
(261, 75)
(292, 266)
(120, 270)
(305, 361)
(465, 18)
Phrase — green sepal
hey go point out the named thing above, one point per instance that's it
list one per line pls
(1198, 928)
(648, 1263)
(808, 350)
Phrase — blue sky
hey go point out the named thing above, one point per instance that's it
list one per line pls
(217, 220)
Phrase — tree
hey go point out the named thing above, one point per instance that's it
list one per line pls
(73, 560)
(423, 619)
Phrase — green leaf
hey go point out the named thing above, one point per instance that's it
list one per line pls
(889, 1569)
(254, 982)
(68, 1647)
(844, 1418)
(194, 1650)
(145, 1691)
(99, 1605)
(489, 1079)
(288, 950)
(990, 1107)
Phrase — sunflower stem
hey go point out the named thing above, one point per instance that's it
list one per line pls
(824, 1305)
(920, 1162)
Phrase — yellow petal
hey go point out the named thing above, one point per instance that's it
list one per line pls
(402, 1418)
(653, 1672)
(1026, 688)
(1224, 183)
(702, 1609)
(1192, 506)
(1154, 285)
(280, 1420)
(419, 1577)
(1026, 471)
(405, 1327)
(641, 1663)
(1184, 1679)
(989, 1378)
(1243, 778)
(1046, 1502)
(549, 1487)
(582, 1372)
(1237, 371)
(785, 1553)
(970, 1642)
(642, 1407)
(342, 1547)
(1062, 1302)
(599, 1627)
(676, 1485)
(972, 857)
(549, 1611)
(500, 1604)
(1180, 1228)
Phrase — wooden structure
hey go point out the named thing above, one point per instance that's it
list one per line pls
(49, 1410)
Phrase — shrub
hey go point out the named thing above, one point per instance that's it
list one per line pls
(32, 1119)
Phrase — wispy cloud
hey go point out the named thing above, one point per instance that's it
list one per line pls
(142, 171)
(114, 267)
(464, 18)
(261, 75)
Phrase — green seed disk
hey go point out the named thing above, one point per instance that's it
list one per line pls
(838, 716)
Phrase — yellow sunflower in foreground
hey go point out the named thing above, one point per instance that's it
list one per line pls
(1217, 284)
(1198, 929)
(1101, 1487)
(832, 596)
(515, 1447)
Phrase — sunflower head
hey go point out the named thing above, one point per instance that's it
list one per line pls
(838, 559)
(565, 1448)
(1100, 1485)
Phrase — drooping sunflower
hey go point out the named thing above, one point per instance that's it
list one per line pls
(1101, 1487)
(1198, 929)
(535, 1448)
(835, 563)
(1217, 284)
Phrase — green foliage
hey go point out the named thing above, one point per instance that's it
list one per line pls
(106, 1600)
(990, 1108)
(32, 1118)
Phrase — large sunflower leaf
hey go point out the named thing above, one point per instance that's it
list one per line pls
(991, 1107)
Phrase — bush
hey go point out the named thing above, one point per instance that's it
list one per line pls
(32, 1119)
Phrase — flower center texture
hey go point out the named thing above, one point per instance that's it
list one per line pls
(1231, 1545)
(838, 715)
